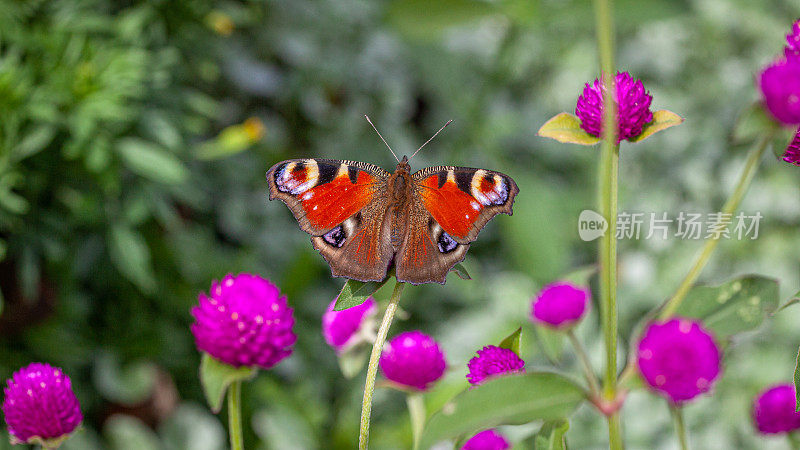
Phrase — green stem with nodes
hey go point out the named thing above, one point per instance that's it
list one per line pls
(235, 415)
(416, 411)
(591, 379)
(372, 368)
(609, 173)
(750, 168)
(680, 427)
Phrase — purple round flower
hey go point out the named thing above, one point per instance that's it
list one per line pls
(679, 359)
(792, 50)
(633, 107)
(774, 410)
(792, 152)
(244, 322)
(341, 328)
(39, 405)
(413, 359)
(780, 85)
(560, 305)
(487, 440)
(493, 361)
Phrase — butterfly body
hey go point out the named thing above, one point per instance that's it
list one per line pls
(364, 220)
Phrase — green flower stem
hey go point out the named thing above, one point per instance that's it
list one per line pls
(416, 411)
(372, 368)
(680, 428)
(750, 168)
(235, 415)
(609, 174)
(794, 440)
(591, 379)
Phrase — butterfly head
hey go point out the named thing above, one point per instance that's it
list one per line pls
(403, 164)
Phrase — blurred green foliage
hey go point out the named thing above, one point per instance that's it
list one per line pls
(129, 179)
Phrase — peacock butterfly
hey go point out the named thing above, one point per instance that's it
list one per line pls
(363, 219)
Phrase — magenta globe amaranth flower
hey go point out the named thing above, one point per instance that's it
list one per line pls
(678, 358)
(560, 305)
(487, 440)
(780, 86)
(244, 322)
(493, 361)
(413, 359)
(343, 329)
(774, 410)
(39, 405)
(792, 152)
(633, 107)
(792, 50)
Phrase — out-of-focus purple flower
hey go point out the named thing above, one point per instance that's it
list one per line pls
(792, 153)
(792, 50)
(341, 328)
(413, 359)
(780, 85)
(39, 403)
(633, 107)
(679, 359)
(774, 410)
(487, 440)
(493, 361)
(560, 305)
(244, 322)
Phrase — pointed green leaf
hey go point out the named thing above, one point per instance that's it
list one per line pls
(738, 305)
(33, 142)
(512, 341)
(514, 399)
(131, 256)
(151, 161)
(216, 376)
(752, 123)
(794, 300)
(354, 293)
(551, 435)
(662, 120)
(461, 271)
(566, 128)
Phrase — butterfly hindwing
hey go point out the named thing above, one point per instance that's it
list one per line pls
(462, 199)
(342, 204)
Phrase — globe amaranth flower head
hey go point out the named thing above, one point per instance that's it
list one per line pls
(413, 359)
(633, 107)
(493, 361)
(774, 410)
(39, 405)
(487, 440)
(780, 86)
(792, 50)
(343, 329)
(560, 305)
(678, 358)
(244, 322)
(792, 153)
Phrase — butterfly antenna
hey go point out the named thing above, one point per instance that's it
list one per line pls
(384, 140)
(434, 135)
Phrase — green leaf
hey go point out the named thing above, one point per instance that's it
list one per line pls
(566, 128)
(216, 376)
(33, 142)
(461, 271)
(662, 120)
(151, 161)
(511, 342)
(355, 293)
(797, 382)
(738, 305)
(794, 300)
(551, 435)
(421, 19)
(751, 124)
(131, 256)
(514, 399)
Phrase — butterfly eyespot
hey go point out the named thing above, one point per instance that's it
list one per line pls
(446, 243)
(335, 237)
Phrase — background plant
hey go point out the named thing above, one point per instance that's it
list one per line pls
(85, 82)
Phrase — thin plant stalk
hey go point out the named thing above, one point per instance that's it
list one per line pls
(680, 426)
(586, 365)
(235, 415)
(609, 174)
(750, 168)
(416, 411)
(372, 368)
